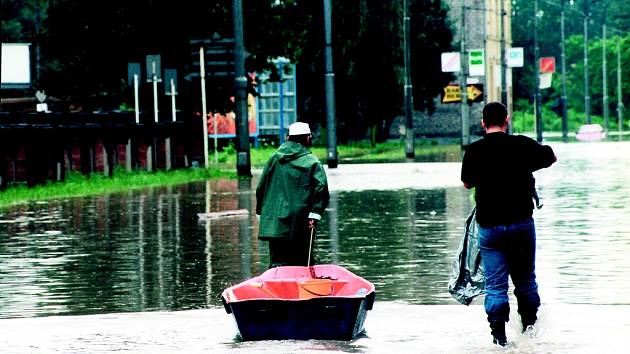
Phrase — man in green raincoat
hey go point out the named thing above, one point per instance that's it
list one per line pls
(290, 198)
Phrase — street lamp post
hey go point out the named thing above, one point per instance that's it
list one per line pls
(329, 76)
(587, 96)
(409, 134)
(465, 123)
(619, 98)
(243, 164)
(538, 110)
(604, 75)
(563, 60)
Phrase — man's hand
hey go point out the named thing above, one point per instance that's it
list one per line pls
(312, 223)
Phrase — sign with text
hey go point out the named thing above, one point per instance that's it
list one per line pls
(451, 93)
(476, 62)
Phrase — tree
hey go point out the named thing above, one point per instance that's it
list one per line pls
(86, 47)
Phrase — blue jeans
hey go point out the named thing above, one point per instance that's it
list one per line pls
(510, 250)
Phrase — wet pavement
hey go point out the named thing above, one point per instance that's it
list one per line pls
(140, 272)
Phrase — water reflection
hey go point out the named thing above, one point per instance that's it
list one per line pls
(147, 250)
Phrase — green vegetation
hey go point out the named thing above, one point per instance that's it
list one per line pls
(359, 152)
(79, 185)
(523, 121)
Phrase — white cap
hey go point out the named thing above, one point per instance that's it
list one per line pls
(299, 128)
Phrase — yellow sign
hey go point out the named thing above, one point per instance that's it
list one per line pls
(473, 93)
(452, 93)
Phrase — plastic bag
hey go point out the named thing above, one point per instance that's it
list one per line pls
(467, 279)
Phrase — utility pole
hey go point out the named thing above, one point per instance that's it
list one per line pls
(462, 79)
(619, 98)
(587, 97)
(604, 75)
(538, 110)
(243, 164)
(504, 98)
(563, 59)
(329, 76)
(409, 134)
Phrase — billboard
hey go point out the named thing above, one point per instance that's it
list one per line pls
(16, 65)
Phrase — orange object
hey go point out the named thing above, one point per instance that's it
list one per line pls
(311, 288)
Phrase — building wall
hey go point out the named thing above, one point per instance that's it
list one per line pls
(482, 31)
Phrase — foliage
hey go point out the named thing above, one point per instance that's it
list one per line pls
(356, 152)
(615, 13)
(77, 184)
(86, 45)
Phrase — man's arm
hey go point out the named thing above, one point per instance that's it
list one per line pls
(320, 196)
(261, 189)
(466, 174)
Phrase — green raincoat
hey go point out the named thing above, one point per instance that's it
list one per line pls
(291, 189)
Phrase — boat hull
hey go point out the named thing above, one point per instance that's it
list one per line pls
(317, 318)
(293, 302)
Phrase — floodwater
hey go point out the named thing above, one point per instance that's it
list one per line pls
(140, 272)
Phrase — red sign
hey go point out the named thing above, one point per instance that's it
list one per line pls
(548, 65)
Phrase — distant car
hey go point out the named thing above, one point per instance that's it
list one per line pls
(590, 132)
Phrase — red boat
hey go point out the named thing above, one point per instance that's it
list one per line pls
(318, 302)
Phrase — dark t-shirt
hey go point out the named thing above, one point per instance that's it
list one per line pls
(500, 168)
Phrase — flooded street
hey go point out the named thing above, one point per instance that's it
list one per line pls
(139, 271)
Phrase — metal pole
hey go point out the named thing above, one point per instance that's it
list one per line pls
(619, 98)
(281, 102)
(587, 97)
(173, 110)
(408, 89)
(204, 111)
(462, 79)
(155, 93)
(329, 75)
(135, 98)
(563, 98)
(537, 103)
(502, 55)
(604, 75)
(243, 164)
(37, 46)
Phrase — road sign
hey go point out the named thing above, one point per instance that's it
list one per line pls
(451, 93)
(133, 69)
(153, 64)
(219, 56)
(170, 74)
(450, 62)
(475, 93)
(548, 65)
(476, 62)
(514, 57)
(545, 80)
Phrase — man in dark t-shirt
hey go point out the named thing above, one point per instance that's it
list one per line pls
(500, 167)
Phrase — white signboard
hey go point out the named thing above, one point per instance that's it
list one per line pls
(450, 62)
(545, 80)
(476, 62)
(514, 57)
(16, 64)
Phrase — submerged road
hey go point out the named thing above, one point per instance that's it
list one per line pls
(391, 327)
